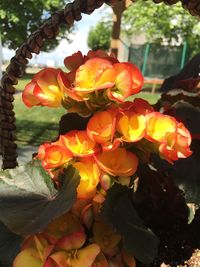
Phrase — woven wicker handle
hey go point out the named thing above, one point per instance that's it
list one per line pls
(15, 70)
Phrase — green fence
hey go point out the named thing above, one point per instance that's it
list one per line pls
(159, 61)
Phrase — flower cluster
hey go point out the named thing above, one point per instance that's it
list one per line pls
(106, 146)
(92, 81)
(117, 136)
(64, 242)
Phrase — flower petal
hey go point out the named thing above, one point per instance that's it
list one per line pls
(74, 61)
(90, 175)
(101, 126)
(95, 74)
(158, 126)
(28, 96)
(27, 257)
(48, 90)
(132, 126)
(56, 156)
(78, 143)
(86, 256)
(73, 241)
(119, 162)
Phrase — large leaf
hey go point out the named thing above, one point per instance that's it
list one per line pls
(9, 245)
(121, 214)
(72, 121)
(28, 199)
(186, 174)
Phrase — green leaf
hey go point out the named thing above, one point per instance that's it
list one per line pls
(119, 211)
(28, 199)
(9, 245)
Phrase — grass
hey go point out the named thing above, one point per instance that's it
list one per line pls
(151, 98)
(40, 124)
(23, 81)
(35, 125)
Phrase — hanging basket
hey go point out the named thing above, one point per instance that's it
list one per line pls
(15, 70)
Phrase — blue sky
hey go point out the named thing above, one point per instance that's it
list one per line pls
(65, 48)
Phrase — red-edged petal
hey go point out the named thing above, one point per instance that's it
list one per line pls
(28, 96)
(74, 61)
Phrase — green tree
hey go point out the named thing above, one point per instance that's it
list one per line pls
(20, 18)
(99, 37)
(162, 23)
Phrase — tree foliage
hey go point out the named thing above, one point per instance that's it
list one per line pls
(162, 23)
(99, 37)
(20, 18)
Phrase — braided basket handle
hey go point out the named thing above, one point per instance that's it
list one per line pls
(15, 70)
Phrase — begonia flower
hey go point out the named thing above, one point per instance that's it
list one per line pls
(66, 81)
(158, 126)
(70, 251)
(78, 143)
(35, 252)
(119, 162)
(54, 155)
(95, 74)
(177, 145)
(129, 81)
(43, 90)
(77, 59)
(131, 126)
(89, 177)
(101, 126)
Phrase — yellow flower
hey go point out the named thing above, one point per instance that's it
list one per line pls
(90, 175)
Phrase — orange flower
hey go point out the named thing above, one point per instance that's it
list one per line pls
(119, 162)
(90, 175)
(129, 81)
(65, 81)
(54, 155)
(177, 145)
(64, 248)
(131, 125)
(28, 95)
(43, 90)
(41, 150)
(95, 74)
(35, 252)
(101, 126)
(158, 126)
(78, 143)
(70, 251)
